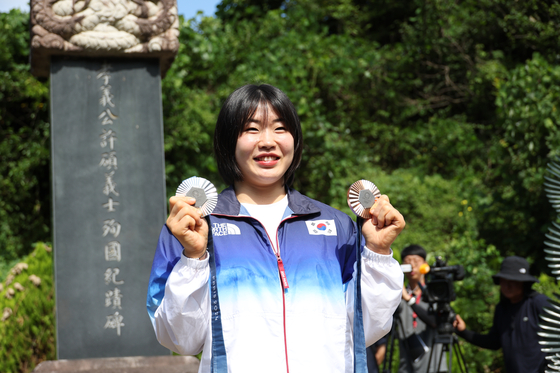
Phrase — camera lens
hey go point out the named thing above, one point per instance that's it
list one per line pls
(438, 290)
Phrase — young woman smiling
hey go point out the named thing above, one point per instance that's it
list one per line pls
(284, 263)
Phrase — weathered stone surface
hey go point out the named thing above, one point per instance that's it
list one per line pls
(138, 364)
(109, 203)
(103, 28)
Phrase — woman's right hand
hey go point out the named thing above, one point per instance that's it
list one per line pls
(187, 225)
(459, 324)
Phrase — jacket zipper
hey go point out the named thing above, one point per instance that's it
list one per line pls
(284, 286)
(282, 275)
(284, 283)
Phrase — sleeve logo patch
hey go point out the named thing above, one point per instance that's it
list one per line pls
(321, 227)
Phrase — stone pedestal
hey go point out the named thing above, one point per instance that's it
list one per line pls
(157, 364)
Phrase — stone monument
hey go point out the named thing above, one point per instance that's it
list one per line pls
(105, 60)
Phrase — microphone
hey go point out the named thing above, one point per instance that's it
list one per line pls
(424, 268)
(457, 271)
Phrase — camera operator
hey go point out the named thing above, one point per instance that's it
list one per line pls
(516, 319)
(418, 325)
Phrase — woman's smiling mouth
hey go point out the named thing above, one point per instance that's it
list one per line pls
(267, 160)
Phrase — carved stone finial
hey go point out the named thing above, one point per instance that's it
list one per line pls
(103, 28)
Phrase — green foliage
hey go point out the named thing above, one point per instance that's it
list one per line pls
(27, 323)
(527, 101)
(547, 285)
(477, 295)
(24, 147)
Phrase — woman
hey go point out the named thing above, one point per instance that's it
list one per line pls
(283, 287)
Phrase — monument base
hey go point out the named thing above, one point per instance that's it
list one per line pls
(136, 364)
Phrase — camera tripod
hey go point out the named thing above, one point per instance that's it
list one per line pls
(444, 337)
(449, 344)
(447, 339)
(396, 333)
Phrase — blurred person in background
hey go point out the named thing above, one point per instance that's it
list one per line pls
(418, 326)
(516, 318)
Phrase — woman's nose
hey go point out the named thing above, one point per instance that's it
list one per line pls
(266, 138)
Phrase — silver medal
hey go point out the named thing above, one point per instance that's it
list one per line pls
(361, 196)
(202, 190)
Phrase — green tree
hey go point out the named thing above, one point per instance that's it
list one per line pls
(24, 145)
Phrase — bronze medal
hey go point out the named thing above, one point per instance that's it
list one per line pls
(361, 196)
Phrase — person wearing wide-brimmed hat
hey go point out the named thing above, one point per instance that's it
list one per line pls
(516, 319)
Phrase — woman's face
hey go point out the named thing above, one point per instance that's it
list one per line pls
(264, 150)
(512, 290)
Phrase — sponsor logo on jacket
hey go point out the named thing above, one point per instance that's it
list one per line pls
(224, 229)
(321, 227)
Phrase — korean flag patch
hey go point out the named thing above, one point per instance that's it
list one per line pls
(321, 227)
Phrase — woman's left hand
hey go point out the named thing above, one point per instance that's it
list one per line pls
(385, 225)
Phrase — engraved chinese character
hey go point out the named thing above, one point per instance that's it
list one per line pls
(109, 160)
(104, 73)
(111, 226)
(114, 322)
(113, 298)
(110, 185)
(110, 205)
(107, 117)
(113, 251)
(108, 137)
(111, 276)
(106, 96)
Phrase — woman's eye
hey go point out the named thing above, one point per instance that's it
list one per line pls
(251, 129)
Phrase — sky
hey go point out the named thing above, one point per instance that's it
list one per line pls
(187, 8)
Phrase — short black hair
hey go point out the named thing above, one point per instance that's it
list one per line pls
(413, 250)
(237, 109)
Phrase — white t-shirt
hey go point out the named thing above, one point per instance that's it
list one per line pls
(270, 217)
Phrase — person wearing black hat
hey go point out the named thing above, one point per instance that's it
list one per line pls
(516, 319)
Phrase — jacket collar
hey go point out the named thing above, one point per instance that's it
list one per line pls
(297, 202)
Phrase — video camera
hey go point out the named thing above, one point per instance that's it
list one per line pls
(439, 292)
(439, 281)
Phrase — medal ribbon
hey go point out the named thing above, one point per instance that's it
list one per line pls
(218, 362)
(360, 360)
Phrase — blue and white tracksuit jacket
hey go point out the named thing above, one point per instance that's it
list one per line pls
(304, 328)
